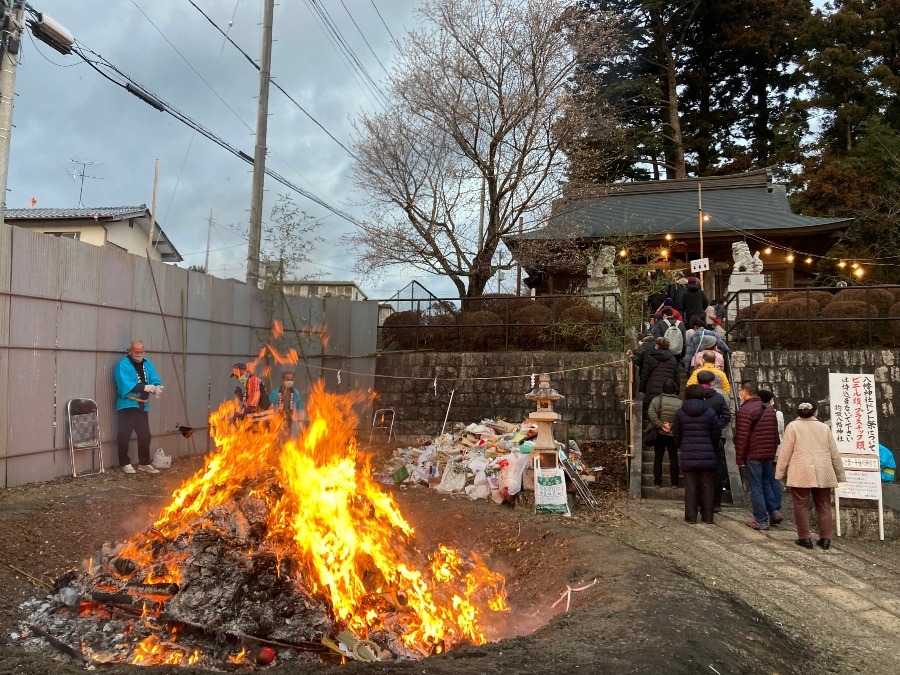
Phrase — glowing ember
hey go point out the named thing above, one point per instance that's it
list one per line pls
(320, 524)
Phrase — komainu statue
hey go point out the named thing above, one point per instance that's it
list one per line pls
(743, 261)
(602, 265)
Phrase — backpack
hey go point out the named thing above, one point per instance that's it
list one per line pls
(675, 338)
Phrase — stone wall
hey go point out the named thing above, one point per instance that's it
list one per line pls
(594, 385)
(793, 374)
(494, 385)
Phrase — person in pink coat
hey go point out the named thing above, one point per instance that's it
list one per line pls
(809, 460)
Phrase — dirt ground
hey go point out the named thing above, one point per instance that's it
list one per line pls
(649, 612)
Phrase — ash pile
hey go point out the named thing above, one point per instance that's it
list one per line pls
(236, 603)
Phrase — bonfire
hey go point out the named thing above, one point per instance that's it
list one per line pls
(277, 546)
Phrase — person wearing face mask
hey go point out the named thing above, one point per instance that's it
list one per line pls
(287, 404)
(135, 379)
(251, 393)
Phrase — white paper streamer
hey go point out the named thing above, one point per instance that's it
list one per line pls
(533, 378)
(339, 377)
(435, 386)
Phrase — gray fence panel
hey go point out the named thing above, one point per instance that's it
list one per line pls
(77, 326)
(244, 296)
(116, 278)
(34, 326)
(34, 264)
(144, 290)
(79, 271)
(174, 300)
(148, 328)
(114, 330)
(363, 329)
(222, 299)
(199, 297)
(31, 383)
(337, 318)
(5, 271)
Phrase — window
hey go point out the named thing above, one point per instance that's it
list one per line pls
(65, 235)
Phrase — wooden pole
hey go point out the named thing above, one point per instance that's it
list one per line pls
(150, 246)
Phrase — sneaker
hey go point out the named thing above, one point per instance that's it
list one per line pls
(775, 518)
(127, 468)
(750, 523)
(147, 468)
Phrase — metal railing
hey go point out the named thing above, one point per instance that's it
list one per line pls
(451, 324)
(808, 324)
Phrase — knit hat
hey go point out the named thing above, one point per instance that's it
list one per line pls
(692, 280)
(708, 342)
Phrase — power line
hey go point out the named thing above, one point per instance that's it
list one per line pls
(362, 35)
(273, 82)
(329, 27)
(384, 23)
(141, 92)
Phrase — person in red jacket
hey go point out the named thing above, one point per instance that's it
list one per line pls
(755, 443)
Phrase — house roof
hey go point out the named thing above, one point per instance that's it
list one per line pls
(734, 205)
(106, 214)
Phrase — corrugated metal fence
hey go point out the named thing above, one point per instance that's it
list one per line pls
(68, 311)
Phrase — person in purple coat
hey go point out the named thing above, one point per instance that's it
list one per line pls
(697, 430)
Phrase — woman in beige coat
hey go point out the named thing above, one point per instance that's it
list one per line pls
(809, 459)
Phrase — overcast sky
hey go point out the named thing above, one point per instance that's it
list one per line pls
(65, 110)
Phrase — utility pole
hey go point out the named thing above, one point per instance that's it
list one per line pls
(12, 23)
(259, 156)
(208, 235)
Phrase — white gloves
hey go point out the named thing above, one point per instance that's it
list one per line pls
(153, 389)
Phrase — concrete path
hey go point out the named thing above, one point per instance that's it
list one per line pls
(842, 603)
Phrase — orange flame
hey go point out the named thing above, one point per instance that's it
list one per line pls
(352, 545)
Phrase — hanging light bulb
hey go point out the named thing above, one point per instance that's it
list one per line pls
(808, 261)
(768, 250)
(790, 257)
(664, 252)
(859, 272)
(854, 265)
(623, 253)
(842, 264)
(668, 236)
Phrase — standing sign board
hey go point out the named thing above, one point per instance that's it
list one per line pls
(854, 424)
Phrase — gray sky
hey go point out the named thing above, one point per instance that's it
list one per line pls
(65, 110)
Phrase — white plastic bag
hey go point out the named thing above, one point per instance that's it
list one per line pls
(161, 460)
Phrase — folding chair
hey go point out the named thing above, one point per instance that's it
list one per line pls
(83, 430)
(383, 419)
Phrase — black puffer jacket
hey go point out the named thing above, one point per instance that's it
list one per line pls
(696, 430)
(659, 366)
(695, 303)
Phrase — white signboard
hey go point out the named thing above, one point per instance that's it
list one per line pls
(854, 424)
(854, 419)
(862, 485)
(700, 265)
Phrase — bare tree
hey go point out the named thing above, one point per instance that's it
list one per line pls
(479, 111)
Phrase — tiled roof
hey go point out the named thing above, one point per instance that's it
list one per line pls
(83, 212)
(733, 204)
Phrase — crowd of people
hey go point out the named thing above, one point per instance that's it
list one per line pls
(691, 429)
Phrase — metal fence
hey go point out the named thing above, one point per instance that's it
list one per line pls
(505, 322)
(800, 318)
(68, 311)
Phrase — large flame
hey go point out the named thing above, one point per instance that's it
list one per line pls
(351, 543)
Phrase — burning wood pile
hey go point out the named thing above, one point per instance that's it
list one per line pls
(275, 549)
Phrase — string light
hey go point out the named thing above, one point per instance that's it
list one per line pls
(623, 253)
(842, 264)
(790, 257)
(854, 265)
(809, 261)
(768, 250)
(664, 252)
(859, 272)
(668, 236)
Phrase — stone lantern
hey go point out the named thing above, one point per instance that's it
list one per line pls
(544, 417)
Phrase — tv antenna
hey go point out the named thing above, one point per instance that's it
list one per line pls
(82, 175)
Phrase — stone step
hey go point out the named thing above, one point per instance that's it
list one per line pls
(651, 492)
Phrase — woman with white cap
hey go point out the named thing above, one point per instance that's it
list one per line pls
(809, 459)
